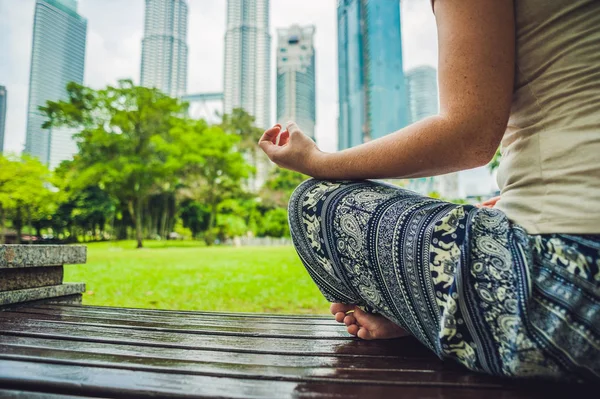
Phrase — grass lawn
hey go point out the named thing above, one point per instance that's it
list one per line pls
(186, 275)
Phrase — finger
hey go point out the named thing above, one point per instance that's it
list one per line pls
(293, 128)
(339, 317)
(349, 320)
(491, 201)
(270, 134)
(268, 147)
(283, 138)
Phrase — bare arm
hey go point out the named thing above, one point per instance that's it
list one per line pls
(476, 68)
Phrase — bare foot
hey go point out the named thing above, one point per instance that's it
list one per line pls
(365, 325)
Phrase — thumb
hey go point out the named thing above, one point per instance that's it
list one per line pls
(293, 128)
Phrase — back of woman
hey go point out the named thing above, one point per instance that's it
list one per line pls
(550, 169)
(511, 288)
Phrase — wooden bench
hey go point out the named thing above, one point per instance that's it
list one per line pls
(55, 348)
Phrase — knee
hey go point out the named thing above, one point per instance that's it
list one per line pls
(295, 205)
(303, 204)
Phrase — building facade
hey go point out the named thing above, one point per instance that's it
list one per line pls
(247, 74)
(164, 46)
(373, 100)
(423, 102)
(247, 71)
(296, 86)
(3, 105)
(57, 58)
(422, 92)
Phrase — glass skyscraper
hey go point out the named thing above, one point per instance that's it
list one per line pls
(247, 75)
(296, 89)
(3, 105)
(373, 100)
(423, 101)
(422, 92)
(57, 58)
(164, 46)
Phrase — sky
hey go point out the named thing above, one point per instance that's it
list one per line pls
(114, 38)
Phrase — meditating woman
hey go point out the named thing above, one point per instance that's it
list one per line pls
(509, 289)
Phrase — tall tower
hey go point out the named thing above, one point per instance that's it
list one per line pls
(372, 94)
(423, 101)
(164, 46)
(422, 92)
(3, 105)
(247, 77)
(57, 58)
(296, 88)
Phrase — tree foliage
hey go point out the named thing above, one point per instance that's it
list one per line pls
(25, 193)
(123, 140)
(144, 169)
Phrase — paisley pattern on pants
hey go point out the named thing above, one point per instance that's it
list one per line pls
(466, 282)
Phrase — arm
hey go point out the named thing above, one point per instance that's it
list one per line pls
(476, 68)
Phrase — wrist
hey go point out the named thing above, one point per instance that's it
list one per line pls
(317, 164)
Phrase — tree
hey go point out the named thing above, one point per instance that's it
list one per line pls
(279, 187)
(122, 140)
(212, 167)
(241, 124)
(275, 223)
(495, 162)
(25, 192)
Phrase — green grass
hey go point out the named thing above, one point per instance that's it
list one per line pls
(186, 275)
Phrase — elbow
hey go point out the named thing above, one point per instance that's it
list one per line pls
(475, 137)
(481, 146)
(483, 156)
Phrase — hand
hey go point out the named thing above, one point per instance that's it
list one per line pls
(489, 203)
(291, 149)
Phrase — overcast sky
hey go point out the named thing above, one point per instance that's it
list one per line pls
(115, 29)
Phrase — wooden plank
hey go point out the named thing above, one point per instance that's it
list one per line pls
(17, 324)
(246, 331)
(18, 256)
(206, 323)
(192, 316)
(31, 277)
(277, 360)
(13, 394)
(324, 318)
(395, 376)
(98, 381)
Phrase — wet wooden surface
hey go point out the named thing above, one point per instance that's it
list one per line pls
(55, 351)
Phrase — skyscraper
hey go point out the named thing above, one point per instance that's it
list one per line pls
(372, 94)
(57, 58)
(247, 77)
(164, 46)
(296, 98)
(423, 102)
(3, 101)
(422, 92)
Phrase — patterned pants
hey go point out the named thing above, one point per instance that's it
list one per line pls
(464, 281)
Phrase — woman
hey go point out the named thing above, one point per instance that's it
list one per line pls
(510, 290)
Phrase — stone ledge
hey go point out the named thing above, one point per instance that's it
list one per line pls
(30, 277)
(19, 256)
(33, 294)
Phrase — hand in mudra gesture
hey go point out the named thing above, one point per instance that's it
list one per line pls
(291, 149)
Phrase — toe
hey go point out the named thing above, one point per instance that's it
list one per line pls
(352, 329)
(340, 307)
(363, 333)
(349, 320)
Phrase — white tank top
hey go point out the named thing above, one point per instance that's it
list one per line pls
(549, 174)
